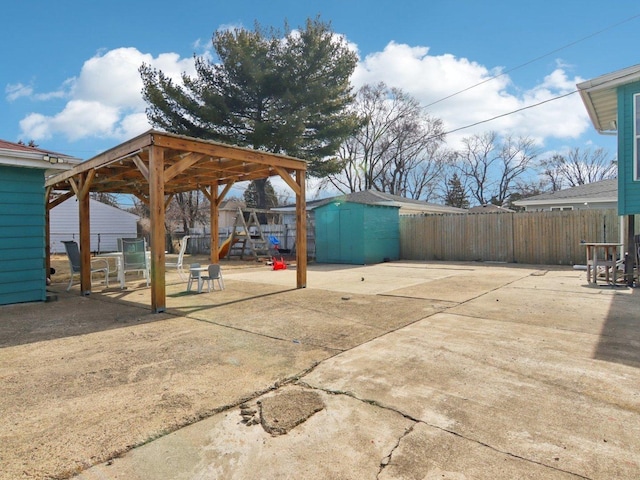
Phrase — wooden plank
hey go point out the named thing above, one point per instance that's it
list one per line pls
(215, 223)
(301, 231)
(157, 213)
(85, 238)
(123, 150)
(219, 150)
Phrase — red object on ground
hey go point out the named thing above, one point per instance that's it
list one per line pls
(279, 264)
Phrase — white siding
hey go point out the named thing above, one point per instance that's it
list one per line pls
(107, 225)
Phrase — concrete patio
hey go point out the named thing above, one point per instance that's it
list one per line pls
(403, 370)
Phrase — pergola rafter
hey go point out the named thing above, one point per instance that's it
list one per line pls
(157, 165)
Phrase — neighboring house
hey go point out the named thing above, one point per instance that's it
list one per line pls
(407, 206)
(227, 213)
(602, 195)
(23, 171)
(107, 225)
(489, 208)
(613, 103)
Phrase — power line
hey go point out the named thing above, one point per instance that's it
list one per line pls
(511, 112)
(534, 60)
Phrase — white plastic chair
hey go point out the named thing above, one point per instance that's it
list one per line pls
(194, 274)
(97, 265)
(178, 263)
(214, 273)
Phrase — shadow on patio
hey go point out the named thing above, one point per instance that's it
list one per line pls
(619, 340)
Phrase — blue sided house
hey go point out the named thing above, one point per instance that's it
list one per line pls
(23, 170)
(613, 103)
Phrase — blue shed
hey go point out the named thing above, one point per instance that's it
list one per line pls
(357, 233)
(22, 220)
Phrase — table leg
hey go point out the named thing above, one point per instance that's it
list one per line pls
(120, 267)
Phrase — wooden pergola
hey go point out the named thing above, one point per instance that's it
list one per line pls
(154, 167)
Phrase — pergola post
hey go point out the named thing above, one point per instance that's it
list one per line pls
(215, 223)
(85, 238)
(157, 212)
(301, 231)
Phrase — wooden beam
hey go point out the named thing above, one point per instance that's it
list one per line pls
(144, 199)
(218, 150)
(215, 223)
(167, 201)
(122, 151)
(224, 192)
(141, 167)
(58, 200)
(157, 212)
(301, 231)
(289, 181)
(85, 235)
(182, 165)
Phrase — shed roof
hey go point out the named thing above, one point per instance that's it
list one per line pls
(602, 191)
(600, 97)
(373, 197)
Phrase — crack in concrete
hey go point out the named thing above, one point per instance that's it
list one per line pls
(375, 403)
(387, 459)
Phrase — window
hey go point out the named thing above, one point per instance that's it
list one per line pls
(636, 137)
(560, 209)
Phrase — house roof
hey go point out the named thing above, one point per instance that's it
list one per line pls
(489, 208)
(20, 155)
(602, 191)
(600, 97)
(372, 197)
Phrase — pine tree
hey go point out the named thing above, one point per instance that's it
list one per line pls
(456, 195)
(283, 93)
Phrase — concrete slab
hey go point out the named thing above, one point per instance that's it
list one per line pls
(347, 440)
(424, 369)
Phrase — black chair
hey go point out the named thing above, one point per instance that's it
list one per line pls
(97, 264)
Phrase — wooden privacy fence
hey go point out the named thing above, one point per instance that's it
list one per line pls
(547, 238)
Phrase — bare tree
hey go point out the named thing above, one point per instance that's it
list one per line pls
(186, 210)
(491, 167)
(578, 167)
(398, 148)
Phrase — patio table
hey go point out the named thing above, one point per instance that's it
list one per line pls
(196, 273)
(602, 254)
(120, 263)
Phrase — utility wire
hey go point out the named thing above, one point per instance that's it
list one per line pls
(511, 112)
(534, 60)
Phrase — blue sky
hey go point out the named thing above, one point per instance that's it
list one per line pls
(69, 68)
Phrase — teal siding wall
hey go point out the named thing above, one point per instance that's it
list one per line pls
(357, 234)
(22, 223)
(628, 188)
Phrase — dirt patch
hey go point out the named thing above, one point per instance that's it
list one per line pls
(286, 410)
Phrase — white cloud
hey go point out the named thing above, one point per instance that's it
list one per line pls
(431, 79)
(104, 100)
(18, 90)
